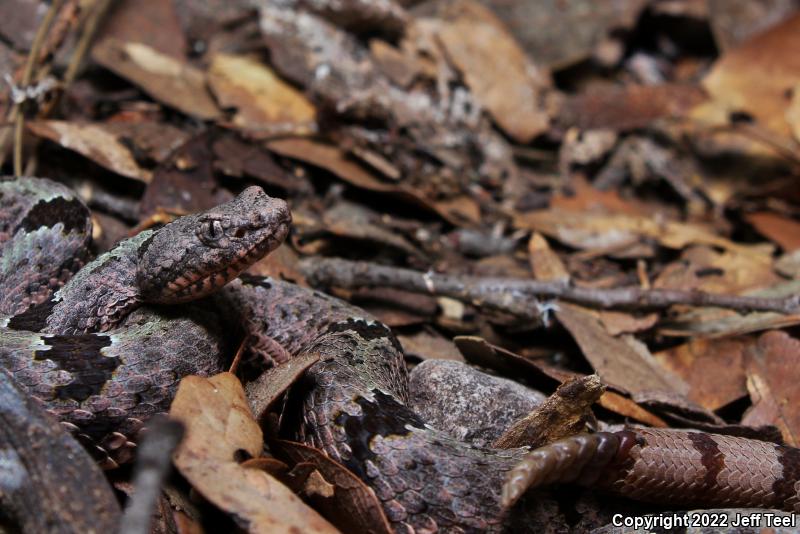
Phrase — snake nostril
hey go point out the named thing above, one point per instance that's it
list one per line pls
(240, 232)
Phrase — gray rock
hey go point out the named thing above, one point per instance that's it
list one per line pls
(466, 403)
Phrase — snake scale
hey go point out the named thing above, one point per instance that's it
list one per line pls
(103, 354)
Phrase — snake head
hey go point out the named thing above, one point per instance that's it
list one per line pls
(197, 254)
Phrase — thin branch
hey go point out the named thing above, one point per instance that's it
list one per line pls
(90, 27)
(518, 296)
(87, 36)
(152, 466)
(27, 77)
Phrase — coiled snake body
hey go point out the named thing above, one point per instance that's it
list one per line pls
(103, 369)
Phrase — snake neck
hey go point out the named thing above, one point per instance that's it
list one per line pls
(96, 299)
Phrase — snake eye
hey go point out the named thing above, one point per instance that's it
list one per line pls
(216, 229)
(211, 231)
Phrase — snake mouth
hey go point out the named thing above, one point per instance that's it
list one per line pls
(187, 287)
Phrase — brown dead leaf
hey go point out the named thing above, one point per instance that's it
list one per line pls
(219, 426)
(426, 346)
(778, 229)
(627, 408)
(265, 103)
(617, 323)
(729, 271)
(355, 221)
(562, 33)
(772, 377)
(331, 159)
(629, 106)
(154, 22)
(456, 210)
(397, 65)
(793, 113)
(713, 368)
(545, 264)
(502, 78)
(733, 21)
(107, 231)
(317, 485)
(151, 140)
(758, 76)
(599, 231)
(715, 323)
(186, 182)
(789, 264)
(235, 157)
(480, 352)
(353, 507)
(712, 134)
(395, 307)
(18, 22)
(270, 385)
(280, 264)
(583, 197)
(185, 524)
(271, 465)
(627, 368)
(165, 78)
(94, 141)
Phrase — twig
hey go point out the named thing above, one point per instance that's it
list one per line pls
(89, 31)
(27, 77)
(518, 296)
(152, 466)
(100, 8)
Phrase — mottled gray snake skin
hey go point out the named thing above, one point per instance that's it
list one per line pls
(104, 369)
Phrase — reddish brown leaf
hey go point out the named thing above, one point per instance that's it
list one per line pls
(630, 106)
(509, 89)
(772, 378)
(781, 230)
(353, 507)
(713, 368)
(270, 385)
(627, 408)
(153, 22)
(617, 323)
(758, 76)
(617, 362)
